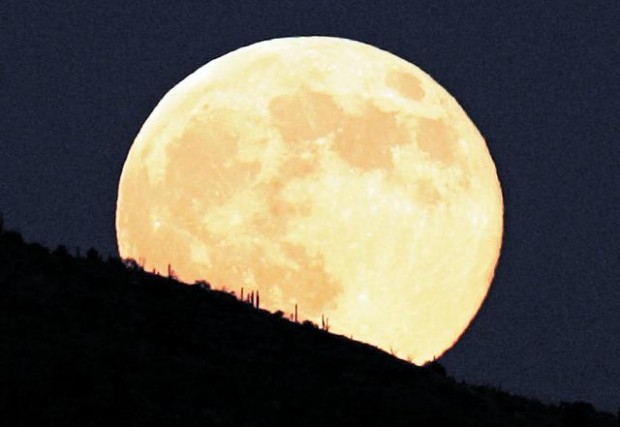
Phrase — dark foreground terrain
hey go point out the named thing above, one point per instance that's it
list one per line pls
(88, 342)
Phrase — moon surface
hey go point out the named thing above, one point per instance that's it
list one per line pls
(326, 173)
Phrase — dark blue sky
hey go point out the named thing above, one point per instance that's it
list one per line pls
(539, 79)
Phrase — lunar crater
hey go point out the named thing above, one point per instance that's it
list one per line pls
(406, 84)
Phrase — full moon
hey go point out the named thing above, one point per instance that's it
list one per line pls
(326, 173)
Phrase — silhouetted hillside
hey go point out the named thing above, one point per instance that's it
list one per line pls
(85, 341)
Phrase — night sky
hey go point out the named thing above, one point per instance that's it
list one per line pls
(540, 81)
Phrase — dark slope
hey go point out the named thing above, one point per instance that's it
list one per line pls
(88, 342)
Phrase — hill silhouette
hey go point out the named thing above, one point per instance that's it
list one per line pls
(87, 341)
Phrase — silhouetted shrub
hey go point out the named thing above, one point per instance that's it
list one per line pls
(436, 367)
(115, 262)
(278, 313)
(310, 324)
(132, 265)
(93, 255)
(203, 284)
(38, 250)
(576, 414)
(61, 251)
(13, 238)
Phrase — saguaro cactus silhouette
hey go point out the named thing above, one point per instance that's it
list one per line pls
(324, 323)
(171, 273)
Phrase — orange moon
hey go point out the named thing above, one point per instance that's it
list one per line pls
(326, 173)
